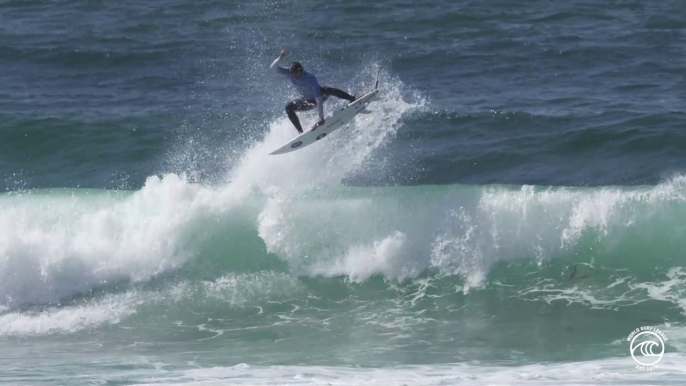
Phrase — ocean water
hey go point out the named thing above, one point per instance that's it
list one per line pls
(513, 208)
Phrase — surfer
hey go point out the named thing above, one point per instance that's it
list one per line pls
(312, 94)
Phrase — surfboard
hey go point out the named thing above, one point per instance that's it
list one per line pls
(338, 119)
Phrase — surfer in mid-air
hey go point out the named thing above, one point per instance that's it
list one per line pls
(312, 94)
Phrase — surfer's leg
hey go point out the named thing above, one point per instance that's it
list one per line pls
(337, 93)
(298, 105)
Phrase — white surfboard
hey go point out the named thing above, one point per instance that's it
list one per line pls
(337, 119)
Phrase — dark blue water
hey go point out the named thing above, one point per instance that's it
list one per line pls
(543, 93)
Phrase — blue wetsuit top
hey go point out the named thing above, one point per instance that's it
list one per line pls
(307, 85)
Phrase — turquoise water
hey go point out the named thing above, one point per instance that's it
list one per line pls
(508, 214)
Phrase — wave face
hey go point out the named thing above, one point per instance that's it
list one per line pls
(60, 243)
(398, 265)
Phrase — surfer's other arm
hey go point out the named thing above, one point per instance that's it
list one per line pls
(275, 64)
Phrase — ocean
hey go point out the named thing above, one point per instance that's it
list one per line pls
(512, 212)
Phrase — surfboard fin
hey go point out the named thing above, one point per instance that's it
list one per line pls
(365, 111)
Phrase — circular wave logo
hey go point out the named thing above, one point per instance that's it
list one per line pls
(647, 347)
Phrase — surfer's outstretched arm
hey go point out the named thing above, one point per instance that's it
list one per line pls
(275, 64)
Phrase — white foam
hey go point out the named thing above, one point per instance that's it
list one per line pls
(300, 232)
(363, 261)
(543, 224)
(110, 310)
(672, 371)
(249, 288)
(457, 251)
(671, 290)
(53, 245)
(459, 231)
(326, 163)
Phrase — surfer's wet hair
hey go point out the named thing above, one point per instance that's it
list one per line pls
(296, 68)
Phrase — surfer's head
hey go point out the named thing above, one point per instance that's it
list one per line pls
(297, 69)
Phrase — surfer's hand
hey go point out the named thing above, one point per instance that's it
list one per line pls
(282, 53)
